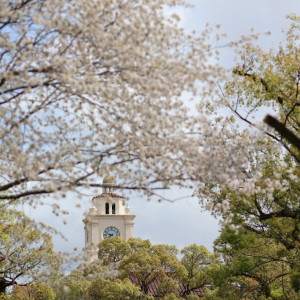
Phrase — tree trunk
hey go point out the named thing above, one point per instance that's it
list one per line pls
(3, 285)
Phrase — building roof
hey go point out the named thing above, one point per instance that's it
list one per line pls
(113, 195)
(153, 288)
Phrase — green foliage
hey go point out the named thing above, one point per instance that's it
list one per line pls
(145, 264)
(73, 286)
(144, 267)
(270, 79)
(192, 297)
(167, 286)
(295, 276)
(118, 249)
(195, 257)
(97, 269)
(136, 243)
(148, 263)
(111, 290)
(254, 264)
(26, 252)
(198, 262)
(172, 296)
(36, 291)
(4, 297)
(147, 297)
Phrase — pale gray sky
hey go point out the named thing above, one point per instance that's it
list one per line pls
(182, 223)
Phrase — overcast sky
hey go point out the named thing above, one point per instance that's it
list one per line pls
(182, 223)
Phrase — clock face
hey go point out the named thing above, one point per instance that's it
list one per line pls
(110, 232)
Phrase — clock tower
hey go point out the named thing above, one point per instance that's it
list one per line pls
(108, 217)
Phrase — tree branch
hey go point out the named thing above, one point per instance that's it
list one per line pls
(285, 132)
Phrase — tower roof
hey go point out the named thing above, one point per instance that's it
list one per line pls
(109, 179)
(113, 195)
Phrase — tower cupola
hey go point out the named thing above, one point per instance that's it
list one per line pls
(108, 185)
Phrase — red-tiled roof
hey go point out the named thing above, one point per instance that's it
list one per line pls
(153, 288)
(113, 195)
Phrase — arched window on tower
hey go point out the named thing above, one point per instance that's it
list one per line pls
(114, 209)
(107, 208)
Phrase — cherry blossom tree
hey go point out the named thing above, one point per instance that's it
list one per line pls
(90, 87)
(265, 204)
(268, 80)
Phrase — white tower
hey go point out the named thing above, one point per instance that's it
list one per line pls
(107, 218)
